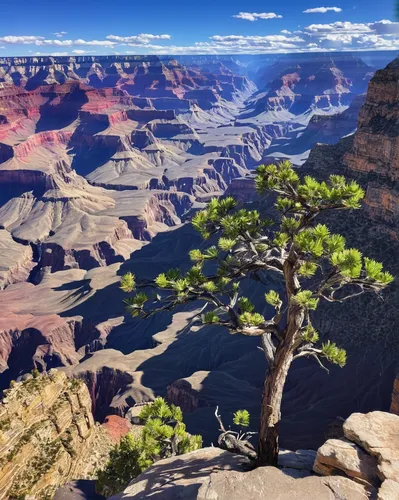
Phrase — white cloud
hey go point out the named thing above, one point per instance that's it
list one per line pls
(322, 10)
(339, 27)
(142, 39)
(57, 43)
(377, 42)
(60, 34)
(73, 43)
(231, 44)
(385, 27)
(54, 54)
(340, 35)
(255, 39)
(254, 16)
(41, 41)
(102, 43)
(380, 35)
(332, 37)
(80, 52)
(21, 40)
(147, 46)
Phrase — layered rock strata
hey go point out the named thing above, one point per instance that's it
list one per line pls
(48, 436)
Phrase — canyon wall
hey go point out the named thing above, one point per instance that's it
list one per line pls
(48, 436)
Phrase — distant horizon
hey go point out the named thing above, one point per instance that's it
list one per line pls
(321, 53)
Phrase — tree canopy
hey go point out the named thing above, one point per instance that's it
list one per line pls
(250, 244)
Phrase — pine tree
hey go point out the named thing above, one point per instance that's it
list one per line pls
(312, 263)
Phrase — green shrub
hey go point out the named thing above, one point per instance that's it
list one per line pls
(122, 466)
(163, 435)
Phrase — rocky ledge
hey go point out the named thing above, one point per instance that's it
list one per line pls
(362, 465)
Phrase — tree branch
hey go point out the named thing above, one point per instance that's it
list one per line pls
(268, 348)
(312, 354)
(219, 419)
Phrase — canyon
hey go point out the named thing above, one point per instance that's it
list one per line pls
(103, 160)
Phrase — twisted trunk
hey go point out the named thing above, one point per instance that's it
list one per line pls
(277, 375)
(271, 408)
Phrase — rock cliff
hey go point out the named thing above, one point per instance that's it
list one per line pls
(48, 436)
(370, 156)
(375, 150)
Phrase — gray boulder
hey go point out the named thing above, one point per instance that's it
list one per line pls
(377, 432)
(340, 456)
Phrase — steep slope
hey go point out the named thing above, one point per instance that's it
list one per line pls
(315, 82)
(375, 150)
(309, 99)
(370, 156)
(48, 436)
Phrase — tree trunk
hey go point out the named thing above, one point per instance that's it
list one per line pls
(273, 389)
(271, 408)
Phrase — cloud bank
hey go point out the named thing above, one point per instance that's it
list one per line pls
(336, 36)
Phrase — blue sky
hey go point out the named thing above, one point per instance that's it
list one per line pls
(74, 27)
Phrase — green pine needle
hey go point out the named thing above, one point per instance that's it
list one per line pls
(273, 298)
(127, 283)
(241, 418)
(305, 300)
(245, 304)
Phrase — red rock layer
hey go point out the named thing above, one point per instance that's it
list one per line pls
(116, 426)
(375, 148)
(376, 144)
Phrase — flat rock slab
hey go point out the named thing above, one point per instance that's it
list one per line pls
(270, 483)
(389, 490)
(179, 478)
(378, 433)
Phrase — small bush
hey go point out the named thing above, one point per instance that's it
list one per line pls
(163, 435)
(123, 465)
